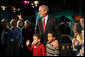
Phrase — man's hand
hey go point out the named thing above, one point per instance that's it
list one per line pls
(55, 44)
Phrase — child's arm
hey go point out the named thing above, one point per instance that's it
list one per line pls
(30, 48)
(43, 50)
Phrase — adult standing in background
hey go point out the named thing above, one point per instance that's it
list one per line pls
(14, 39)
(4, 37)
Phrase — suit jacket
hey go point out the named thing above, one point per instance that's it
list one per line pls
(52, 25)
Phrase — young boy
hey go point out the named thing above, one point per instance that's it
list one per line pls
(37, 47)
(52, 46)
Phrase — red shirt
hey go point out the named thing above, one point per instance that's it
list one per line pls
(38, 50)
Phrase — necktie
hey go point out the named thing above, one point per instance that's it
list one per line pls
(44, 25)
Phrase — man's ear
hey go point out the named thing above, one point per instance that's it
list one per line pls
(46, 11)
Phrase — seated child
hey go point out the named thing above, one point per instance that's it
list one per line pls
(52, 46)
(37, 47)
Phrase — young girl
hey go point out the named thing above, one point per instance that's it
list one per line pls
(37, 47)
(52, 46)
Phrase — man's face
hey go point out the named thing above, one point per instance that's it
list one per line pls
(26, 24)
(35, 39)
(50, 37)
(42, 12)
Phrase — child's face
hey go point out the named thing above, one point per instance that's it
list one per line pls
(35, 39)
(50, 37)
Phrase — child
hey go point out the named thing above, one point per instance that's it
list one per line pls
(37, 47)
(81, 53)
(52, 46)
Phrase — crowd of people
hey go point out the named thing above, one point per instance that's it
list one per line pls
(46, 40)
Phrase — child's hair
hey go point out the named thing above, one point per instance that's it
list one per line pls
(37, 35)
(53, 33)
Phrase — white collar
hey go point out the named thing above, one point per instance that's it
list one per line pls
(46, 17)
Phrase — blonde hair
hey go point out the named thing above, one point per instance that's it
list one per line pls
(13, 22)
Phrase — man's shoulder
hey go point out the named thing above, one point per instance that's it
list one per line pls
(39, 19)
(51, 17)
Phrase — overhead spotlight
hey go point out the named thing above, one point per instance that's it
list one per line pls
(26, 2)
(18, 9)
(3, 7)
(35, 5)
(13, 8)
(36, 2)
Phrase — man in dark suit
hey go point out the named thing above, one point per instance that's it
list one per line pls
(80, 25)
(46, 23)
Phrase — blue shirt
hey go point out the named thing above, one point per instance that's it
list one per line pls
(15, 33)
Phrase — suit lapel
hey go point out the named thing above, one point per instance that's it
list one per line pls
(41, 25)
(47, 25)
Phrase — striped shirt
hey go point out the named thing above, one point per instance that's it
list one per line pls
(51, 51)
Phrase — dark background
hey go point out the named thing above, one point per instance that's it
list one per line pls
(58, 8)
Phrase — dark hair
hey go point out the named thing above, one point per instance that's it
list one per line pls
(27, 21)
(3, 21)
(53, 33)
(37, 35)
